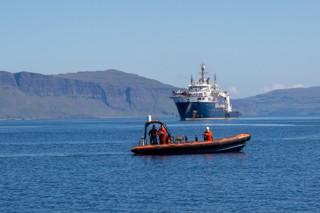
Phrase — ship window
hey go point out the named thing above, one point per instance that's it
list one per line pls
(198, 98)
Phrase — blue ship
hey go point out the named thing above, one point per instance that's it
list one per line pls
(203, 101)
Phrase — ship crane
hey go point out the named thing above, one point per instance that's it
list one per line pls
(226, 96)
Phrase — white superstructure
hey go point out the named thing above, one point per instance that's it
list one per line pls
(203, 91)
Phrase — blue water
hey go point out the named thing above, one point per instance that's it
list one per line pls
(87, 166)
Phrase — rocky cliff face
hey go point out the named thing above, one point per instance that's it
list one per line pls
(45, 85)
(130, 92)
(7, 79)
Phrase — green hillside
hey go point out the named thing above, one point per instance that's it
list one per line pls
(100, 94)
(285, 102)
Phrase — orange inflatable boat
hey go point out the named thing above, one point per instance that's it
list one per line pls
(175, 146)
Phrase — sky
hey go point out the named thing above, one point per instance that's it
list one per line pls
(253, 46)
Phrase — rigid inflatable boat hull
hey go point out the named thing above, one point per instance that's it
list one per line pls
(232, 144)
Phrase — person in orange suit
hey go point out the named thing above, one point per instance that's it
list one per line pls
(162, 132)
(207, 135)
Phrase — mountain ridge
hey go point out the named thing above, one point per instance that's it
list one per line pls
(113, 93)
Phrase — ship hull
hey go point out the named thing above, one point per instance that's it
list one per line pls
(202, 111)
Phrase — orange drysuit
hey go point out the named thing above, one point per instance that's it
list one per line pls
(207, 135)
(162, 132)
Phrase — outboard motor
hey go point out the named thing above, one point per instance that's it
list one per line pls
(142, 141)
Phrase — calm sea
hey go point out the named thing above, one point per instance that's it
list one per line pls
(87, 166)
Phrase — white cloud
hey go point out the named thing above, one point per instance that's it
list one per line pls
(281, 86)
(298, 86)
(233, 90)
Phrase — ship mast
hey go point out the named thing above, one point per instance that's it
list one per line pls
(215, 84)
(203, 67)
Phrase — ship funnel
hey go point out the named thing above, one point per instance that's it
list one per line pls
(149, 118)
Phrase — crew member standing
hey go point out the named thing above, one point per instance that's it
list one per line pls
(162, 132)
(207, 135)
(153, 135)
